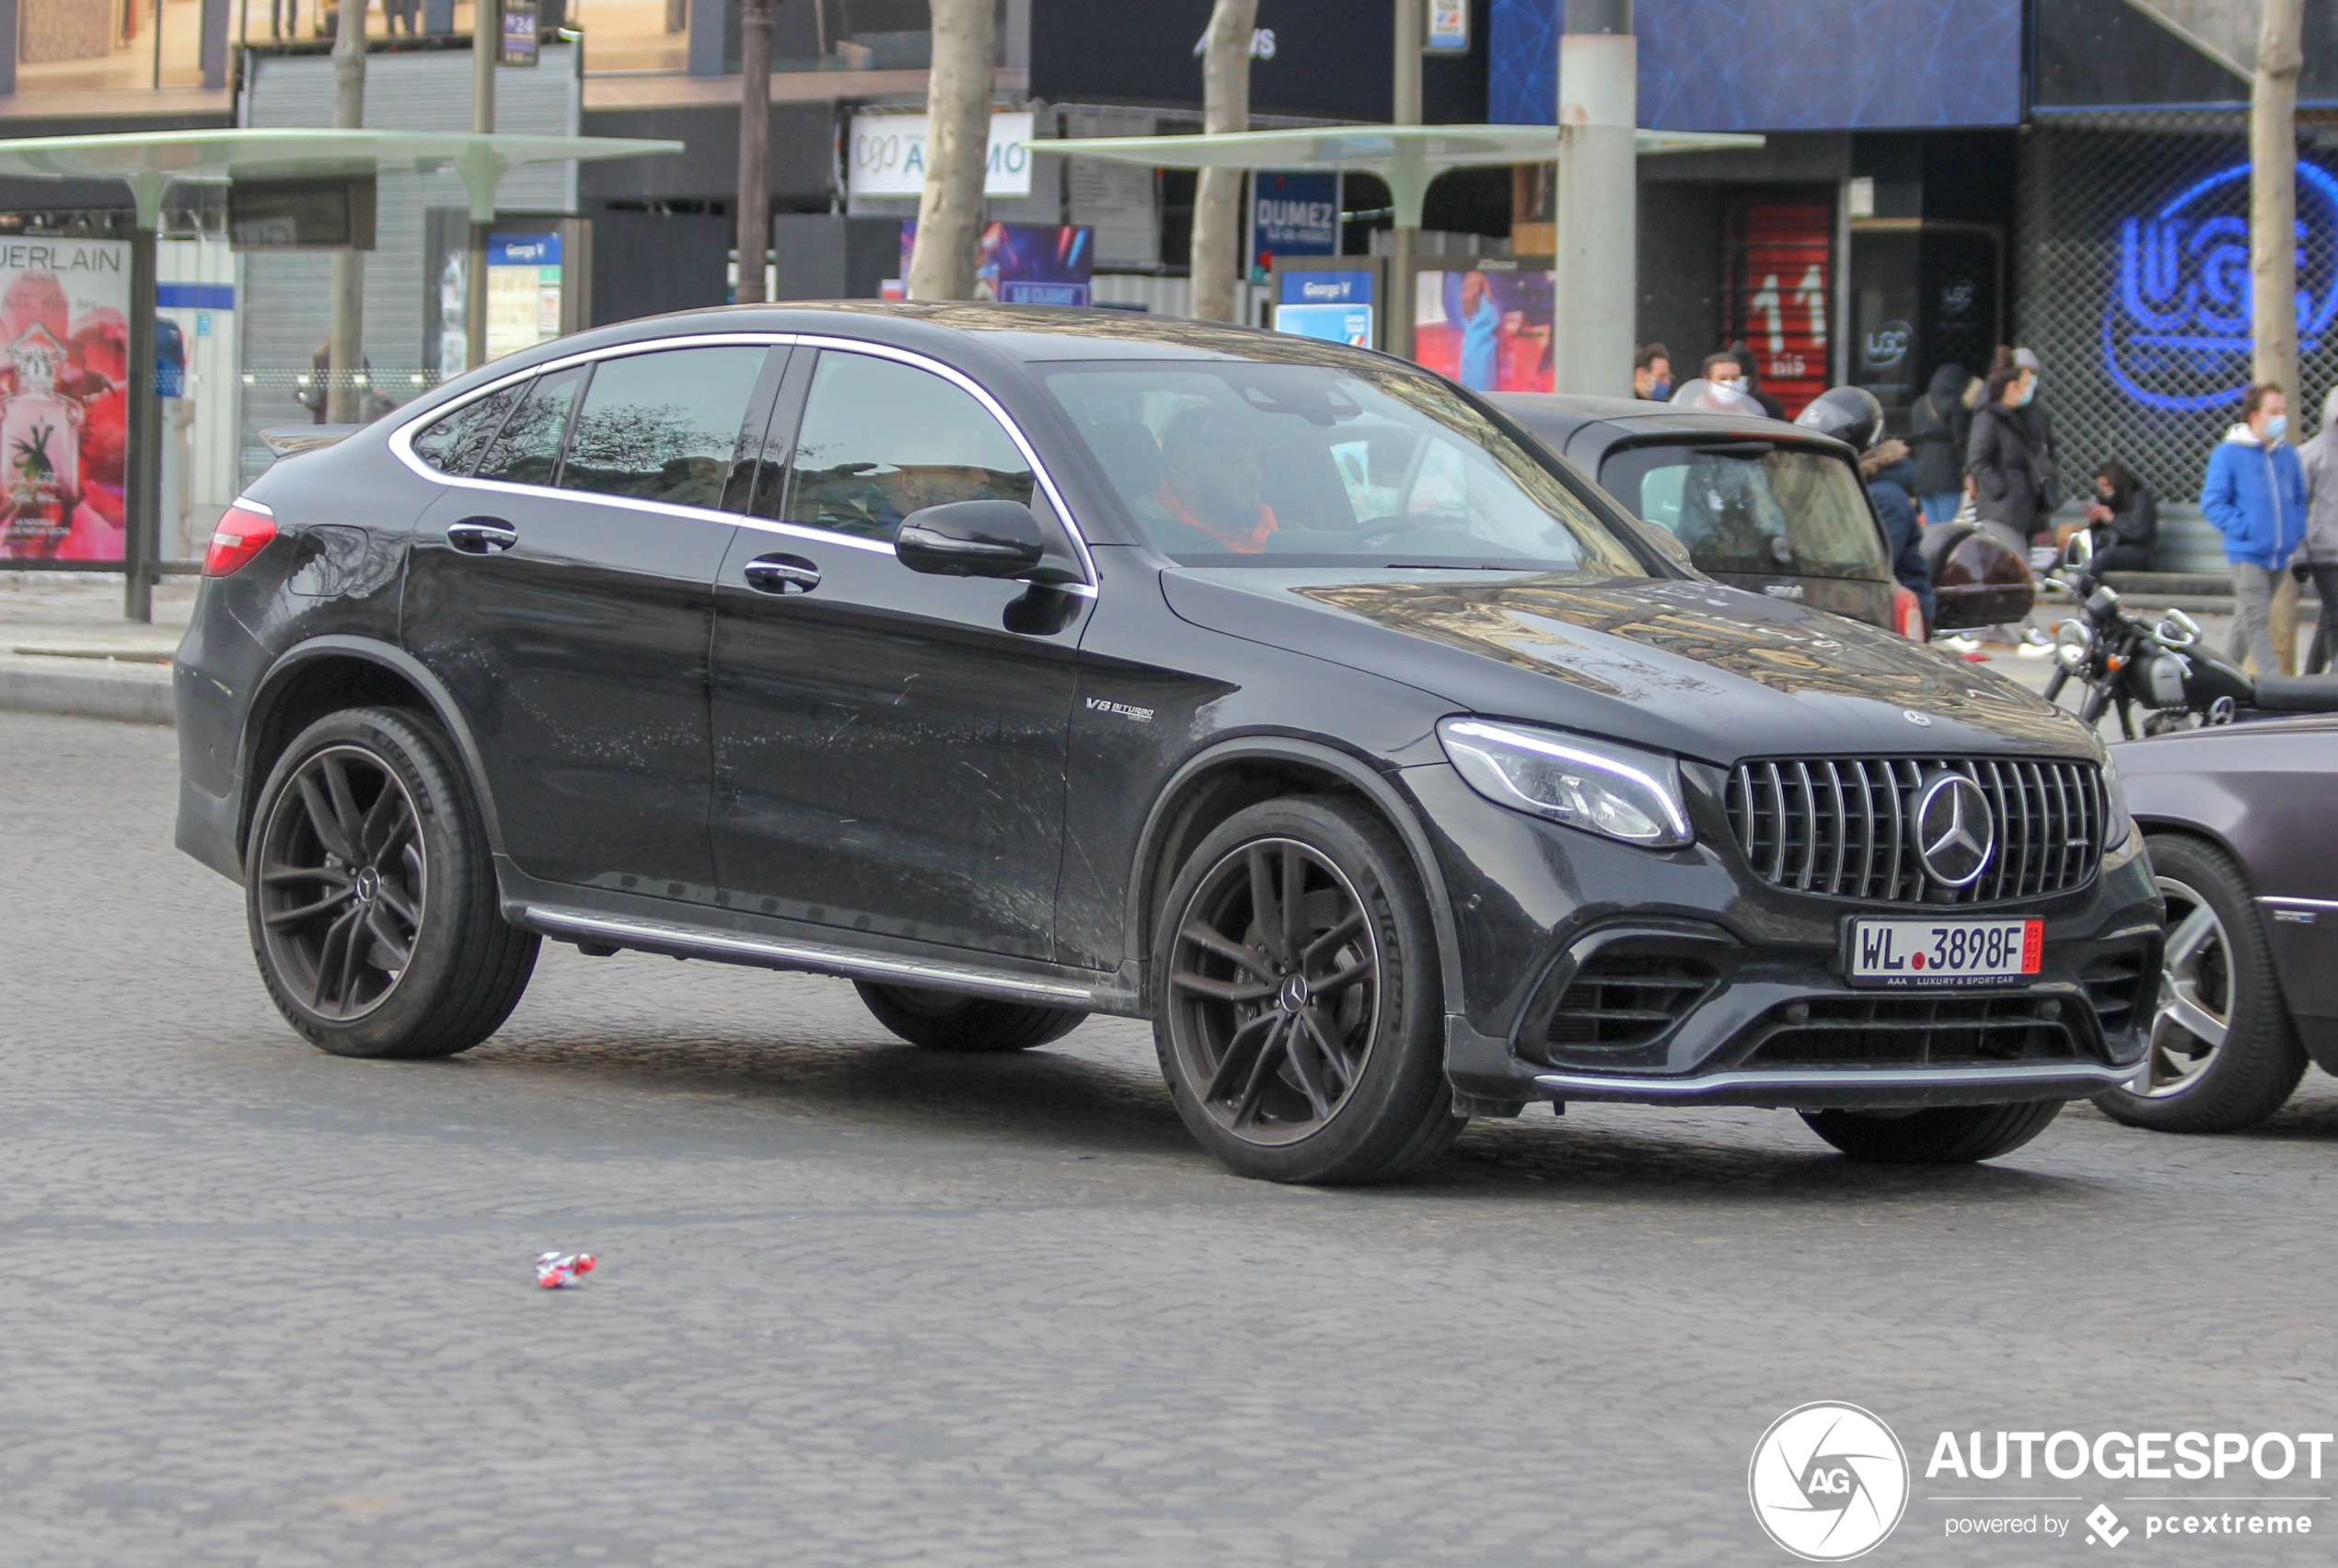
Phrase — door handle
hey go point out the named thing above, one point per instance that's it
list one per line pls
(782, 574)
(482, 535)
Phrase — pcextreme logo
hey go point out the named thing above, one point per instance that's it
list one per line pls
(1828, 1482)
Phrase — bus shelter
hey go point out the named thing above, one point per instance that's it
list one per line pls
(42, 414)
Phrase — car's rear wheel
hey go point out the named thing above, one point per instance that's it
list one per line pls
(1946, 1135)
(371, 897)
(2223, 1054)
(947, 1021)
(1299, 1017)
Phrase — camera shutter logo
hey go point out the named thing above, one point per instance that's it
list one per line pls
(1828, 1482)
(1955, 832)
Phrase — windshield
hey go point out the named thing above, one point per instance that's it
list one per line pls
(1229, 464)
(1751, 507)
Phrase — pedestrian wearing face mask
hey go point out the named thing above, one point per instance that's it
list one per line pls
(2040, 423)
(2002, 465)
(2255, 494)
(1652, 374)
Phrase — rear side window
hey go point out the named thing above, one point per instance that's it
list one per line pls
(880, 440)
(1751, 507)
(663, 426)
(452, 443)
(527, 451)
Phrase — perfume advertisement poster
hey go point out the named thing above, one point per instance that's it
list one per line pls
(65, 353)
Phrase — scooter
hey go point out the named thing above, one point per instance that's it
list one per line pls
(2120, 660)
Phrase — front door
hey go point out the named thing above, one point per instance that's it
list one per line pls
(562, 590)
(889, 752)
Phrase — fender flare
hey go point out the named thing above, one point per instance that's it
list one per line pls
(1367, 781)
(398, 661)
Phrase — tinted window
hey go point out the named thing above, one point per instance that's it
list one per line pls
(1751, 507)
(527, 449)
(663, 426)
(880, 440)
(451, 444)
(1312, 464)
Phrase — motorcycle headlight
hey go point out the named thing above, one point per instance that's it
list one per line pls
(1617, 791)
(2071, 641)
(2117, 821)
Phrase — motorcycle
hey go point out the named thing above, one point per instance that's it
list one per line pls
(2122, 661)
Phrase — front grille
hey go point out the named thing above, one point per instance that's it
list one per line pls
(1913, 1032)
(1838, 827)
(1623, 998)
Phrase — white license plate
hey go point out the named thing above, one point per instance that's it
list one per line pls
(1944, 952)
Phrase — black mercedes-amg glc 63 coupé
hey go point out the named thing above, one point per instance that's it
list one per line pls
(1019, 665)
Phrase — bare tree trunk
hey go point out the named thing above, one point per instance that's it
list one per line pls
(957, 145)
(1217, 198)
(486, 46)
(345, 351)
(2273, 203)
(754, 146)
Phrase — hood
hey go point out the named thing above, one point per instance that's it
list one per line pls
(2242, 435)
(1948, 383)
(1690, 667)
(1900, 472)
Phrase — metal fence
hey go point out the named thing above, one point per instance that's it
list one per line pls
(2132, 283)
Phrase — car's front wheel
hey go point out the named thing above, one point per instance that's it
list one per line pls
(1946, 1135)
(1298, 1014)
(371, 897)
(946, 1020)
(2223, 1054)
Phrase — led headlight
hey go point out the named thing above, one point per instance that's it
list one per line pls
(1599, 787)
(2117, 822)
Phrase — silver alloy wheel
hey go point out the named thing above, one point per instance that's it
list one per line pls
(2193, 1014)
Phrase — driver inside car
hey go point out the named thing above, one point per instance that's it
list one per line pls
(1212, 483)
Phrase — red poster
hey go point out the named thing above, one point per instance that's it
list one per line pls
(1785, 297)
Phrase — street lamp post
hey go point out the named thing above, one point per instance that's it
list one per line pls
(1598, 207)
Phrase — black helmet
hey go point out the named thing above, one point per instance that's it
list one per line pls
(1847, 413)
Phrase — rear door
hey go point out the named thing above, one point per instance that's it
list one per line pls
(889, 746)
(562, 589)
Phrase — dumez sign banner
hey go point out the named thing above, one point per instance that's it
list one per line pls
(1293, 214)
(887, 156)
(64, 353)
(2176, 325)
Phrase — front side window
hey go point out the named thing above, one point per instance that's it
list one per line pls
(879, 440)
(453, 443)
(1751, 506)
(1231, 464)
(663, 426)
(527, 451)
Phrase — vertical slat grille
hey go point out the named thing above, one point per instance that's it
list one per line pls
(1840, 826)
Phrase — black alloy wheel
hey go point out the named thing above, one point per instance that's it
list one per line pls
(1300, 1015)
(342, 877)
(371, 895)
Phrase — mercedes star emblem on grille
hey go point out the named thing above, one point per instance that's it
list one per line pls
(1954, 830)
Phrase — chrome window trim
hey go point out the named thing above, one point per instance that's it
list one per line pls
(401, 439)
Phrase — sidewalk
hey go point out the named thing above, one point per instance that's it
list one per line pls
(65, 647)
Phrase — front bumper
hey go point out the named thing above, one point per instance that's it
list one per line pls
(1595, 971)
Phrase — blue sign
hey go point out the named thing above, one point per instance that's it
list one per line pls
(1295, 215)
(1348, 324)
(2178, 313)
(523, 251)
(1326, 287)
(1014, 290)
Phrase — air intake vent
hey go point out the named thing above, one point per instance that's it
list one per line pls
(1914, 1032)
(1840, 828)
(1624, 1000)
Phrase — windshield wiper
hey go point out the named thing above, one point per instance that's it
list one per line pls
(1456, 566)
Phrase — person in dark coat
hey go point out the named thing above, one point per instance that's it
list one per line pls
(2125, 521)
(2004, 467)
(1938, 427)
(1891, 481)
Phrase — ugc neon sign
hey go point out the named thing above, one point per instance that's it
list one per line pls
(2178, 313)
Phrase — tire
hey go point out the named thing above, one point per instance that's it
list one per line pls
(1339, 1080)
(946, 1020)
(2225, 977)
(1949, 1135)
(441, 969)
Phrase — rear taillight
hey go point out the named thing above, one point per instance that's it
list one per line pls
(245, 530)
(1907, 614)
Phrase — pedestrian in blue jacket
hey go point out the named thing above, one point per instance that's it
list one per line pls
(2255, 494)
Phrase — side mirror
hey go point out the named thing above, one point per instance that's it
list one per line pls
(2077, 552)
(1669, 542)
(972, 538)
